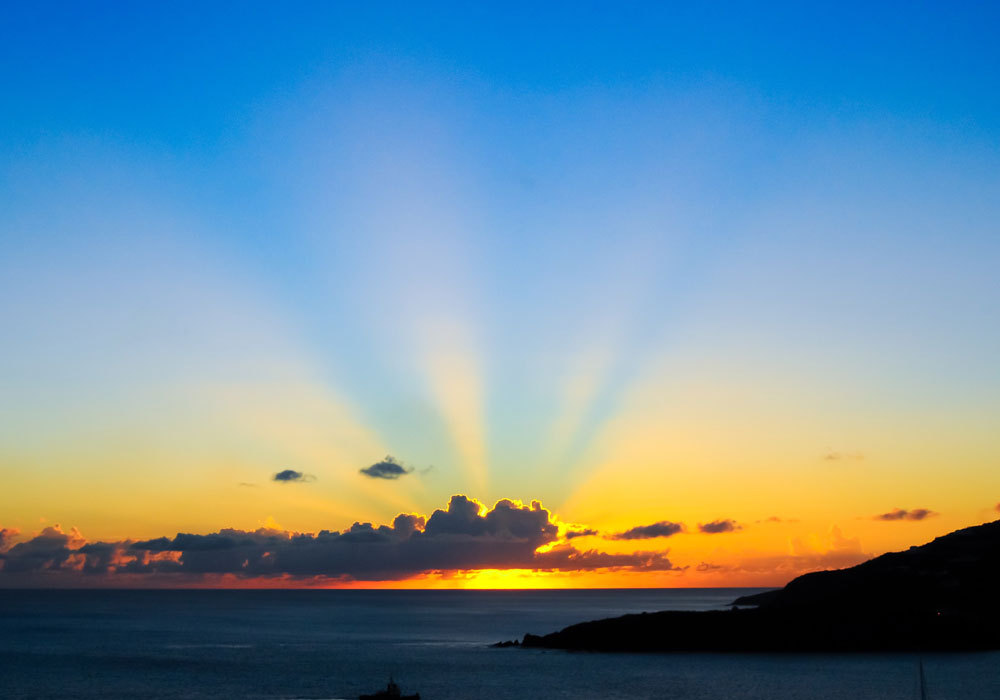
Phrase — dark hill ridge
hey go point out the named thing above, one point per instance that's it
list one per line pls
(959, 570)
(938, 596)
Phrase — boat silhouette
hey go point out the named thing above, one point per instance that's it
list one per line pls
(391, 692)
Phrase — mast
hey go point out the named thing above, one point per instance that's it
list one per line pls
(923, 682)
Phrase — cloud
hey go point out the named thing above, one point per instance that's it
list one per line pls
(565, 558)
(664, 528)
(776, 519)
(719, 526)
(997, 508)
(388, 468)
(290, 475)
(7, 535)
(464, 536)
(51, 548)
(585, 532)
(815, 553)
(707, 566)
(843, 457)
(901, 514)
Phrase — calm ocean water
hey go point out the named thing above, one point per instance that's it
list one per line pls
(337, 644)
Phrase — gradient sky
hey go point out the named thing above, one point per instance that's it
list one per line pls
(641, 264)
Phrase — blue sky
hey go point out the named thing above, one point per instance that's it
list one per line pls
(483, 231)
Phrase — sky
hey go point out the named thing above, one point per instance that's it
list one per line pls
(500, 295)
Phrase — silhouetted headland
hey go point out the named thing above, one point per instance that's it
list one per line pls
(938, 596)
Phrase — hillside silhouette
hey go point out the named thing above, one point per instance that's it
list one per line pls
(937, 596)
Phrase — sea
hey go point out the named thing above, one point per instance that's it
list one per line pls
(337, 644)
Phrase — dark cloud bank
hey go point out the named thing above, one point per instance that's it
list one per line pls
(458, 538)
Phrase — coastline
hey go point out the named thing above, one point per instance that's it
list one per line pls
(934, 597)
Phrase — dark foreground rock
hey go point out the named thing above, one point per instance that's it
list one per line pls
(504, 645)
(939, 596)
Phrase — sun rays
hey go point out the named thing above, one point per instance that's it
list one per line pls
(640, 299)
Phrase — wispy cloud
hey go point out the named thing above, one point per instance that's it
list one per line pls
(843, 457)
(776, 519)
(585, 532)
(830, 551)
(717, 527)
(902, 514)
(664, 528)
(707, 566)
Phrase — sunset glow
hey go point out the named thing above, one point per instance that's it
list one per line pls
(325, 300)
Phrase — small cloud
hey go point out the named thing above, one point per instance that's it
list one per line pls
(997, 508)
(707, 566)
(388, 468)
(719, 526)
(249, 485)
(588, 532)
(664, 528)
(271, 524)
(843, 457)
(290, 475)
(902, 514)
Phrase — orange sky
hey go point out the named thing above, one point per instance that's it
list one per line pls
(526, 545)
